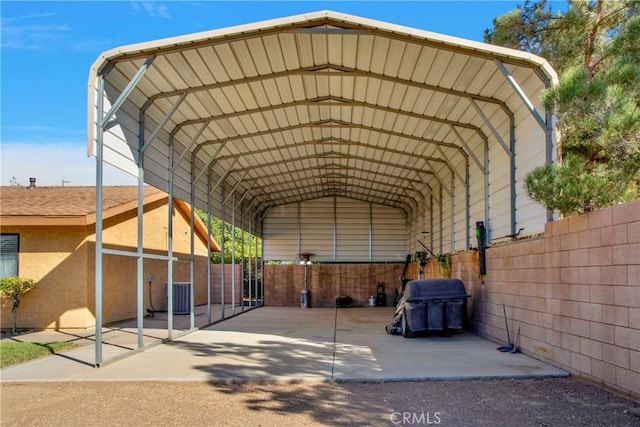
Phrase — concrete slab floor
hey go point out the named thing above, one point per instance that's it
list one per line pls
(293, 344)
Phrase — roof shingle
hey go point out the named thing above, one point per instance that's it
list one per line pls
(64, 201)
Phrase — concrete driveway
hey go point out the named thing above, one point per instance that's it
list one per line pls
(294, 344)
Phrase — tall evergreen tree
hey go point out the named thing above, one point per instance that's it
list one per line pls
(594, 46)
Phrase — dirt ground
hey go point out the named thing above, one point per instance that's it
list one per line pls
(548, 402)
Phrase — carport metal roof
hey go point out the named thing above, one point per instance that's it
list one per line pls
(314, 105)
(251, 117)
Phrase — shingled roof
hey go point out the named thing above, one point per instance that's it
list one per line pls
(75, 205)
(65, 201)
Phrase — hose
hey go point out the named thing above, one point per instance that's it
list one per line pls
(151, 311)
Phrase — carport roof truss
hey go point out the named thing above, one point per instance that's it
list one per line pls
(314, 105)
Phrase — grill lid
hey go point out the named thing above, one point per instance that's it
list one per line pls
(420, 290)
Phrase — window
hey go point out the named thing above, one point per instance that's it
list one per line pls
(8, 255)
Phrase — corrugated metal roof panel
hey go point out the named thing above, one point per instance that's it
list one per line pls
(397, 108)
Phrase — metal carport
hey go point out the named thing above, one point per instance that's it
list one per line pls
(244, 119)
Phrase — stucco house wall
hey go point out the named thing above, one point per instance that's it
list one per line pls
(54, 257)
(61, 259)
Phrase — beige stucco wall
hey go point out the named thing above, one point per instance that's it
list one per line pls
(61, 260)
(55, 257)
(121, 230)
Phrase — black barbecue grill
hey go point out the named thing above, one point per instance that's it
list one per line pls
(430, 305)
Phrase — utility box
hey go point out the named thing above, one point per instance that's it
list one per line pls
(181, 297)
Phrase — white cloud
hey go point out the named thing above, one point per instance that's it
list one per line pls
(50, 164)
(18, 34)
(202, 5)
(38, 31)
(154, 9)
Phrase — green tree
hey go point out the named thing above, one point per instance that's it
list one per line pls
(524, 28)
(594, 46)
(12, 289)
(230, 244)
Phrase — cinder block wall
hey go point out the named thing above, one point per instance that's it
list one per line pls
(216, 284)
(283, 283)
(574, 294)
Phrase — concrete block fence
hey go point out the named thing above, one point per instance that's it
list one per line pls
(573, 293)
(326, 282)
(216, 284)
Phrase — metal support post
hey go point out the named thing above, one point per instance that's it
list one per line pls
(233, 254)
(99, 225)
(208, 247)
(222, 248)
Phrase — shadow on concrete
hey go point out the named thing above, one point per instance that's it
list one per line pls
(328, 404)
(262, 359)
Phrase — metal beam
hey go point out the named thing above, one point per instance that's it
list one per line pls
(510, 150)
(493, 130)
(305, 182)
(329, 101)
(335, 141)
(99, 225)
(527, 102)
(102, 122)
(222, 247)
(335, 124)
(324, 70)
(192, 270)
(397, 178)
(419, 171)
(453, 215)
(212, 161)
(441, 204)
(222, 178)
(370, 231)
(484, 168)
(233, 252)
(235, 187)
(469, 151)
(209, 317)
(140, 244)
(246, 192)
(348, 189)
(317, 194)
(162, 123)
(170, 171)
(188, 146)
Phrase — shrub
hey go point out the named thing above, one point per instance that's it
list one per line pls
(12, 289)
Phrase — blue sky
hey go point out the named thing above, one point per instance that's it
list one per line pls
(47, 49)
